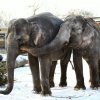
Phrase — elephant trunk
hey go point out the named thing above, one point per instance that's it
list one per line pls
(11, 57)
(59, 41)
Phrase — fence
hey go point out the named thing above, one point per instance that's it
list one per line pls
(3, 32)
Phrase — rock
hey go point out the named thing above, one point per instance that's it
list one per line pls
(21, 62)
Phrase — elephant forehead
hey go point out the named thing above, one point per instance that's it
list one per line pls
(78, 25)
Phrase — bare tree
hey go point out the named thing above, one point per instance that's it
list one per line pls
(4, 19)
(34, 8)
(80, 12)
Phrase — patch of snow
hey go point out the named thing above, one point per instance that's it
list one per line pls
(23, 86)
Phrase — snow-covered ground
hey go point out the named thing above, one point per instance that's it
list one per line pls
(23, 87)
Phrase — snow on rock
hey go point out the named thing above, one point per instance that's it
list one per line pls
(20, 61)
(19, 58)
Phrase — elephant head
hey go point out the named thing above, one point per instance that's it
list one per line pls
(83, 32)
(14, 40)
(76, 32)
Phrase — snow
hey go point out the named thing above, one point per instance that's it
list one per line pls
(19, 58)
(23, 86)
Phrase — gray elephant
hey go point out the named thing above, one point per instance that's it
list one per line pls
(35, 31)
(84, 37)
(57, 54)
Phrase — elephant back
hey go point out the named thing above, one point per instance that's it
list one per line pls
(49, 25)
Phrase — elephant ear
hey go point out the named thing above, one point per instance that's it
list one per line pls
(88, 34)
(36, 33)
(10, 27)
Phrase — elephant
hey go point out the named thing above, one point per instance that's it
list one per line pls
(83, 35)
(52, 56)
(35, 31)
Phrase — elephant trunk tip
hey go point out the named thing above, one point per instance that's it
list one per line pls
(66, 43)
(6, 92)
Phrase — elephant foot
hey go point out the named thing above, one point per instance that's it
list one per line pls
(79, 87)
(94, 87)
(46, 93)
(4, 92)
(99, 84)
(63, 84)
(52, 84)
(37, 90)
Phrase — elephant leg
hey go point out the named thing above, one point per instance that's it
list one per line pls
(45, 65)
(77, 60)
(94, 72)
(51, 75)
(10, 64)
(34, 66)
(99, 73)
(63, 65)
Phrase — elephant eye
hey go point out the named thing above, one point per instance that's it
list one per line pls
(35, 28)
(73, 29)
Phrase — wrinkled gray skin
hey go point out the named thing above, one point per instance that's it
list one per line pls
(84, 36)
(36, 32)
(53, 55)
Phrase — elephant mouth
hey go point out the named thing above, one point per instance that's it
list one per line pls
(76, 45)
(80, 45)
(22, 51)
